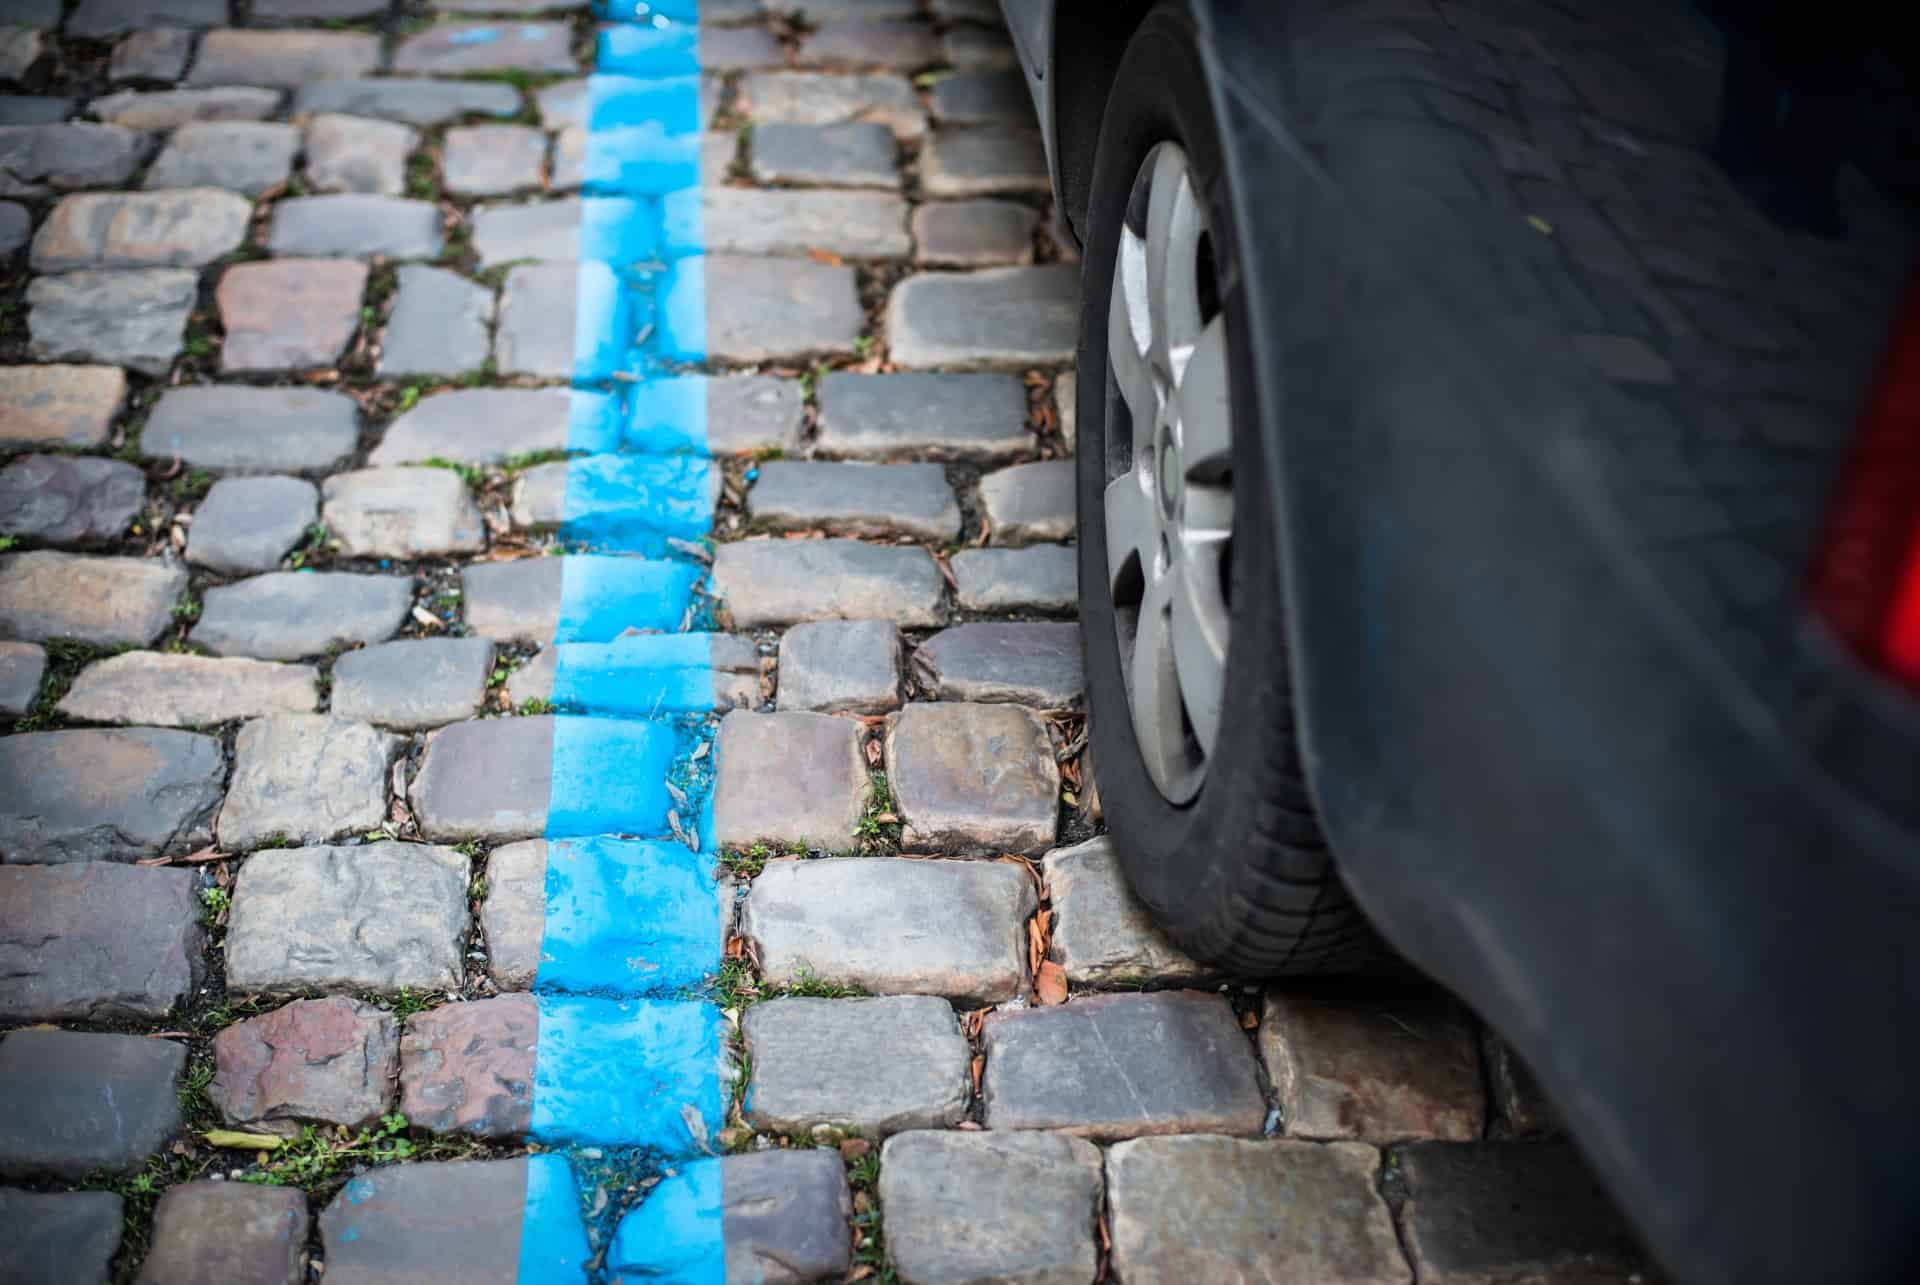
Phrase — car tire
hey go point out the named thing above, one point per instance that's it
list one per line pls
(1238, 873)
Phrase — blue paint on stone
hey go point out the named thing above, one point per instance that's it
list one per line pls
(601, 596)
(641, 1073)
(639, 676)
(667, 414)
(476, 36)
(553, 1236)
(609, 310)
(628, 917)
(672, 103)
(640, 160)
(631, 502)
(678, 1233)
(619, 230)
(649, 51)
(609, 776)
(680, 309)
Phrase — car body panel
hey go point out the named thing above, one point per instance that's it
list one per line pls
(1547, 504)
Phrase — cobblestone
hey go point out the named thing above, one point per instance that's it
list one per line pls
(779, 582)
(752, 413)
(16, 226)
(996, 317)
(135, 319)
(401, 513)
(184, 229)
(247, 524)
(1041, 578)
(282, 59)
(462, 48)
(974, 49)
(413, 683)
(1188, 1068)
(1501, 1211)
(548, 231)
(245, 156)
(33, 109)
(492, 160)
(355, 154)
(983, 161)
(21, 667)
(1382, 1068)
(157, 54)
(107, 601)
(172, 108)
(286, 615)
(982, 98)
(69, 499)
(1102, 936)
(788, 778)
(50, 1238)
(972, 779)
(949, 928)
(381, 917)
(785, 1216)
(1066, 401)
(540, 318)
(734, 49)
(59, 405)
(97, 19)
(854, 225)
(350, 224)
(468, 1068)
(82, 1103)
(1219, 1209)
(912, 1073)
(644, 665)
(906, 45)
(910, 500)
(995, 662)
(453, 1220)
(38, 159)
(414, 102)
(973, 234)
(307, 778)
(805, 98)
(292, 10)
(760, 310)
(857, 154)
(96, 941)
(513, 914)
(1029, 502)
(328, 1061)
(441, 325)
(228, 1231)
(991, 1206)
(841, 667)
(20, 49)
(289, 314)
(219, 427)
(494, 779)
(107, 795)
(159, 689)
(476, 426)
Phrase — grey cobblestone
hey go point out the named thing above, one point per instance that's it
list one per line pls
(938, 416)
(972, 779)
(1030, 502)
(780, 582)
(513, 913)
(355, 154)
(976, 49)
(21, 667)
(841, 667)
(411, 101)
(1188, 1068)
(1041, 578)
(738, 48)
(516, 601)
(904, 45)
(107, 795)
(330, 1061)
(135, 319)
(158, 54)
(413, 683)
(219, 427)
(461, 1218)
(913, 1074)
(20, 49)
(487, 780)
(983, 161)
(49, 1238)
(33, 109)
(98, 600)
(1067, 402)
(210, 1231)
(805, 98)
(539, 311)
(788, 778)
(401, 513)
(309, 778)
(171, 108)
(544, 230)
(96, 19)
(38, 159)
(286, 615)
(1383, 1067)
(289, 314)
(247, 524)
(991, 1206)
(441, 324)
(183, 229)
(350, 225)
(951, 928)
(163, 690)
(1033, 663)
(81, 1103)
(59, 405)
(996, 317)
(96, 941)
(973, 234)
(753, 413)
(1102, 936)
(732, 663)
(761, 310)
(282, 59)
(857, 154)
(246, 156)
(455, 48)
(982, 98)
(381, 917)
(476, 426)
(855, 225)
(69, 499)
(16, 226)
(1216, 1208)
(910, 500)
(491, 160)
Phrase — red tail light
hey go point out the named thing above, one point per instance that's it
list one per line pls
(1866, 578)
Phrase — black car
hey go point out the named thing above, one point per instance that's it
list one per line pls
(1499, 486)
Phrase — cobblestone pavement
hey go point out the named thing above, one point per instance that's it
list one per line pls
(288, 317)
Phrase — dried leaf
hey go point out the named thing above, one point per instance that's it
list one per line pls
(874, 753)
(1050, 983)
(238, 1141)
(827, 257)
(1249, 1020)
(1036, 947)
(979, 1066)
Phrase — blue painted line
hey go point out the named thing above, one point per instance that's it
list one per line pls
(629, 1065)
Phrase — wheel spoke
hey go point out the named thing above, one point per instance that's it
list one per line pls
(1133, 526)
(1199, 629)
(1174, 225)
(1155, 692)
(1131, 374)
(1205, 408)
